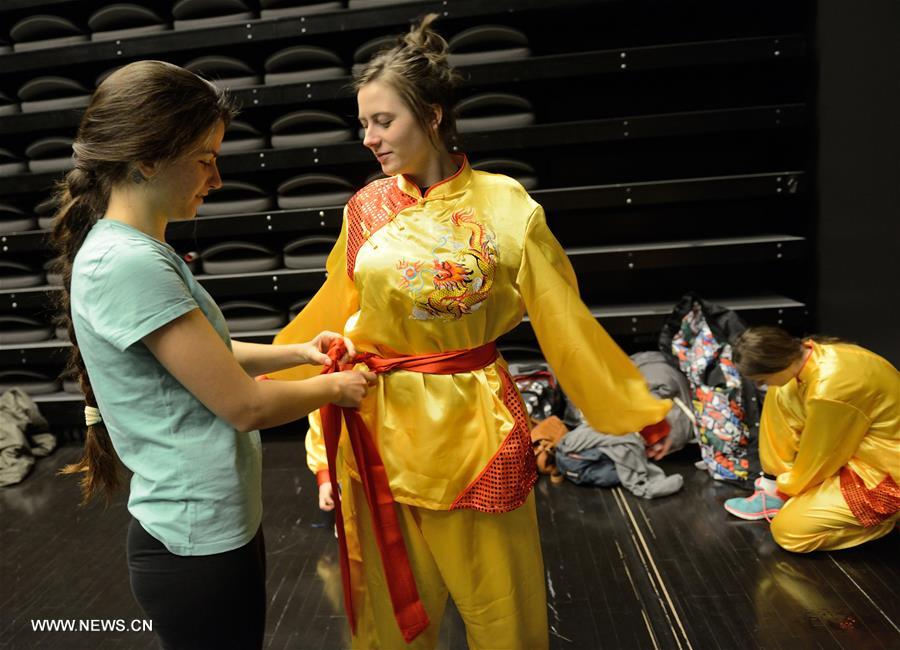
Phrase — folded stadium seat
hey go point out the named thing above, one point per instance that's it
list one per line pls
(365, 4)
(12, 219)
(124, 20)
(308, 252)
(30, 381)
(241, 136)
(196, 14)
(249, 316)
(5, 47)
(53, 93)
(61, 333)
(303, 63)
(517, 169)
(7, 105)
(314, 191)
(286, 8)
(11, 164)
(309, 129)
(375, 176)
(239, 257)
(297, 307)
(369, 49)
(71, 386)
(43, 31)
(235, 197)
(53, 278)
(50, 154)
(103, 75)
(21, 329)
(15, 275)
(225, 71)
(488, 44)
(46, 213)
(491, 111)
(70, 383)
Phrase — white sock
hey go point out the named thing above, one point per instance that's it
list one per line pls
(768, 484)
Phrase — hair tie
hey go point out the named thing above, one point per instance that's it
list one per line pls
(92, 416)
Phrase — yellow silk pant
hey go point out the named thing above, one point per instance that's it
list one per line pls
(490, 564)
(820, 520)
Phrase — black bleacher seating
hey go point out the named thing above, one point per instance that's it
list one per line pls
(44, 32)
(124, 20)
(492, 111)
(199, 14)
(664, 162)
(488, 44)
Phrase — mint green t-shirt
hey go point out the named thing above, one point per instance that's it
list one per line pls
(197, 481)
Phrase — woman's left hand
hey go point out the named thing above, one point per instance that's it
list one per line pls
(315, 352)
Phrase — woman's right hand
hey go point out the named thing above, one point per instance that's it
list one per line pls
(352, 386)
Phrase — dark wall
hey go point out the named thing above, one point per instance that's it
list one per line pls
(859, 173)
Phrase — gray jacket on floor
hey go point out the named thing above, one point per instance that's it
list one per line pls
(18, 412)
(666, 382)
(637, 474)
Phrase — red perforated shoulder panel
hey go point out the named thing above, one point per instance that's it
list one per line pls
(372, 207)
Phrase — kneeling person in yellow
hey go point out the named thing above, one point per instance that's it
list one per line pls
(829, 437)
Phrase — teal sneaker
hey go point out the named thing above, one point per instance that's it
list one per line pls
(762, 504)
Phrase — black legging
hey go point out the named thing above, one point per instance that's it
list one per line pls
(200, 602)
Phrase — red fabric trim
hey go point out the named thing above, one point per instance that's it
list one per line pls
(870, 507)
(323, 476)
(509, 476)
(408, 608)
(461, 160)
(653, 433)
(369, 210)
(807, 345)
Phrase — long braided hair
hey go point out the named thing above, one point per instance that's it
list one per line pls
(147, 111)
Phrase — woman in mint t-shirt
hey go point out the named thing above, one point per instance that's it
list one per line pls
(166, 389)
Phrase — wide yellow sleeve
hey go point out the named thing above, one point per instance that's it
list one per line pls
(334, 302)
(316, 459)
(594, 372)
(779, 434)
(831, 434)
(329, 309)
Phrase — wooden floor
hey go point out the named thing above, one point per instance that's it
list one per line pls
(621, 572)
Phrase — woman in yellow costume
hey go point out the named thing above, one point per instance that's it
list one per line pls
(432, 265)
(829, 441)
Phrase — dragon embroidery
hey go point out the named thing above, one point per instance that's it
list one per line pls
(458, 283)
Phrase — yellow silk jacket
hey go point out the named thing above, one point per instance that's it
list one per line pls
(453, 270)
(842, 409)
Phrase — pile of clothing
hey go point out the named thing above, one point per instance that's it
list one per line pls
(713, 406)
(588, 457)
(19, 444)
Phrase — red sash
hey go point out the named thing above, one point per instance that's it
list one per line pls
(408, 608)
